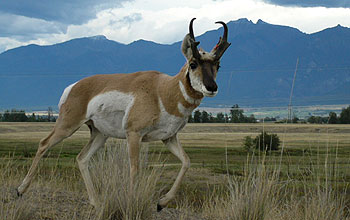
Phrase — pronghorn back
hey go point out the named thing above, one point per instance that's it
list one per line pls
(137, 101)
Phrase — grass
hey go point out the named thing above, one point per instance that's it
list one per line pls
(110, 172)
(307, 180)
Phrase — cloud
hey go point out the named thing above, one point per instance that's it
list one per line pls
(126, 20)
(162, 21)
(312, 3)
(62, 11)
(24, 28)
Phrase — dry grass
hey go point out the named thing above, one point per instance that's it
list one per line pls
(110, 172)
(314, 187)
(57, 193)
(9, 208)
(261, 194)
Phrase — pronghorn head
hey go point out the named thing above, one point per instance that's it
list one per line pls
(203, 66)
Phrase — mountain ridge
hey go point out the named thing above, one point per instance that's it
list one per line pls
(259, 65)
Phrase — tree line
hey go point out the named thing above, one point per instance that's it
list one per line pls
(15, 115)
(236, 115)
(333, 118)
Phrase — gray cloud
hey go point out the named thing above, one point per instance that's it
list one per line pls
(62, 11)
(126, 20)
(131, 18)
(312, 3)
(24, 28)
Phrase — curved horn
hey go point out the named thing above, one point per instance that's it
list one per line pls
(222, 45)
(194, 44)
(225, 30)
(191, 28)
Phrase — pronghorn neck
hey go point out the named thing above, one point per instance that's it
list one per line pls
(177, 95)
(192, 96)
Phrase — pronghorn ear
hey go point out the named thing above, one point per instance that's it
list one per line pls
(186, 47)
(189, 44)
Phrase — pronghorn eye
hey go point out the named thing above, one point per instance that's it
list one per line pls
(193, 65)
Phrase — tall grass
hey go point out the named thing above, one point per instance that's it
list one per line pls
(10, 208)
(262, 191)
(253, 197)
(111, 174)
(261, 194)
(59, 193)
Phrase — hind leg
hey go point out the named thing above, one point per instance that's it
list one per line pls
(59, 133)
(97, 140)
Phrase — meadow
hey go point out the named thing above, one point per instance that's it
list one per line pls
(309, 174)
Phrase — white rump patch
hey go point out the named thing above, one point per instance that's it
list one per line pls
(65, 95)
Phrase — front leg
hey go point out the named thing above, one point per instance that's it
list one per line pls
(175, 147)
(133, 140)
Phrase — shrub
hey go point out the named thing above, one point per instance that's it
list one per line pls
(267, 142)
(248, 143)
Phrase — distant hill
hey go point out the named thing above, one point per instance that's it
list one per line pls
(257, 70)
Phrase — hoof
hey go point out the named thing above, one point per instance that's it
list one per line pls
(159, 208)
(19, 194)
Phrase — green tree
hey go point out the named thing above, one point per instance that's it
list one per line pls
(295, 120)
(333, 119)
(197, 116)
(236, 114)
(49, 114)
(317, 120)
(220, 117)
(212, 119)
(15, 116)
(32, 118)
(248, 143)
(226, 118)
(345, 116)
(205, 117)
(6, 116)
(250, 119)
(267, 142)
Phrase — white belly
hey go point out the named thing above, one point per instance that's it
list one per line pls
(109, 112)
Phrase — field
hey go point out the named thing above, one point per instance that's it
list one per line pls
(316, 157)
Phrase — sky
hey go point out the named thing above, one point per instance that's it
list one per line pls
(46, 22)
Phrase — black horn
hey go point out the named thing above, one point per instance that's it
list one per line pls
(222, 45)
(191, 29)
(225, 30)
(194, 44)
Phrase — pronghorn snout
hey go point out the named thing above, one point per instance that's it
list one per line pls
(213, 87)
(210, 90)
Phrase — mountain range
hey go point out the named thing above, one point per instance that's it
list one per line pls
(257, 69)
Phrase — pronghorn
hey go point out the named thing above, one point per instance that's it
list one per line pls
(139, 107)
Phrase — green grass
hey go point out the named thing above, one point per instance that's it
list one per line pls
(206, 145)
